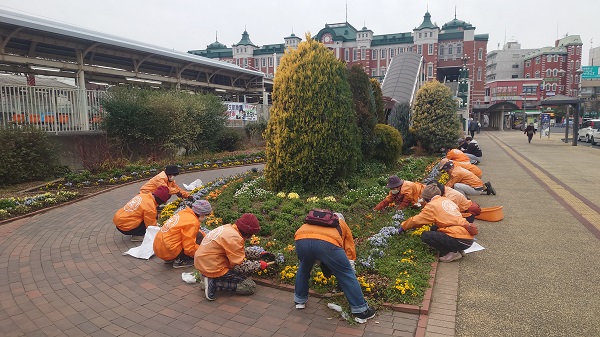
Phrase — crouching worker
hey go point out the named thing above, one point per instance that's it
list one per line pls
(176, 241)
(450, 234)
(139, 213)
(221, 258)
(468, 208)
(334, 247)
(402, 193)
(167, 178)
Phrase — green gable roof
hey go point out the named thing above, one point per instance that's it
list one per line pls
(339, 32)
(426, 24)
(215, 53)
(245, 41)
(270, 49)
(482, 37)
(457, 25)
(387, 39)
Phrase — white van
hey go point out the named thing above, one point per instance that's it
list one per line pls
(585, 131)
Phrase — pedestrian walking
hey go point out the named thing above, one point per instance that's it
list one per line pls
(529, 131)
(472, 127)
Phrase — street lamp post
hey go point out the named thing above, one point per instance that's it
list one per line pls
(578, 73)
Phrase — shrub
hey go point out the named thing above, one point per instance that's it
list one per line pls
(27, 155)
(312, 137)
(435, 122)
(388, 144)
(378, 97)
(400, 119)
(364, 106)
(228, 140)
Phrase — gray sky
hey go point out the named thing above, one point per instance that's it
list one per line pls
(191, 24)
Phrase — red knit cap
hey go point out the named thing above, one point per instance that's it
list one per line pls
(248, 224)
(162, 193)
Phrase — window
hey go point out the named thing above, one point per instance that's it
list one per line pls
(537, 60)
(563, 58)
(391, 52)
(245, 62)
(363, 53)
(547, 86)
(528, 63)
(354, 54)
(549, 58)
(374, 54)
(420, 49)
(548, 72)
(577, 64)
(430, 49)
(578, 50)
(441, 50)
(527, 75)
(479, 72)
(480, 54)
(382, 71)
(555, 58)
(515, 66)
(270, 61)
(555, 72)
(420, 35)
(264, 62)
(450, 50)
(554, 87)
(458, 50)
(429, 70)
(346, 55)
(430, 34)
(514, 76)
(537, 74)
(373, 72)
(383, 56)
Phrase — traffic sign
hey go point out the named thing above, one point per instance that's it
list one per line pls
(590, 72)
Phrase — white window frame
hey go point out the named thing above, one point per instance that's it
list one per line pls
(458, 49)
(354, 54)
(430, 49)
(374, 54)
(420, 49)
(270, 61)
(429, 69)
(479, 73)
(383, 54)
(264, 62)
(346, 54)
(363, 53)
(480, 54)
(549, 58)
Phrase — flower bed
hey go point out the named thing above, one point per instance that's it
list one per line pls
(390, 267)
(12, 207)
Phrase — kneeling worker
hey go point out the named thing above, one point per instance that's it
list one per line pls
(176, 240)
(139, 213)
(403, 193)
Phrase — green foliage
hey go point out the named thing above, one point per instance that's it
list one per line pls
(152, 123)
(255, 130)
(378, 96)
(435, 123)
(364, 105)
(400, 119)
(311, 137)
(388, 144)
(27, 155)
(228, 140)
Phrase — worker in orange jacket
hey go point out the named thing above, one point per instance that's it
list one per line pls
(466, 182)
(469, 167)
(176, 240)
(333, 247)
(166, 178)
(221, 258)
(468, 208)
(458, 155)
(403, 193)
(450, 234)
(139, 213)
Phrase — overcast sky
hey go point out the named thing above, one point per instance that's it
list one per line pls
(192, 24)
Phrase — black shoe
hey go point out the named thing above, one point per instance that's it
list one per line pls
(489, 188)
(365, 315)
(210, 289)
(181, 263)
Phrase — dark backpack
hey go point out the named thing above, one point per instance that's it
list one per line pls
(324, 218)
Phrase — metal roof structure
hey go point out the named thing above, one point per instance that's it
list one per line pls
(31, 44)
(402, 78)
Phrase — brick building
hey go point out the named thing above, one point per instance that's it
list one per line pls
(442, 50)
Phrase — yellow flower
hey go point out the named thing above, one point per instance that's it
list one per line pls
(281, 194)
(329, 198)
(255, 240)
(293, 195)
(312, 199)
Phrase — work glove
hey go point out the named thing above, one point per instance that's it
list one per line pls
(471, 228)
(400, 230)
(263, 265)
(191, 198)
(267, 256)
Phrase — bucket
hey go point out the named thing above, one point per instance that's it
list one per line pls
(491, 214)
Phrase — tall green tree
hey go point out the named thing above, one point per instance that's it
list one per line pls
(364, 105)
(311, 136)
(378, 96)
(400, 119)
(434, 121)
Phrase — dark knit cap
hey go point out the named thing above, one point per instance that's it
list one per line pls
(429, 192)
(172, 170)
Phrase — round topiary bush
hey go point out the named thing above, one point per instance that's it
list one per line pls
(388, 144)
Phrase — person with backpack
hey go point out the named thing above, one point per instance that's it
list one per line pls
(450, 234)
(472, 127)
(473, 151)
(332, 244)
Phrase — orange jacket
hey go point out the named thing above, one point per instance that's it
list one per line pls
(444, 213)
(457, 155)
(221, 250)
(458, 198)
(461, 175)
(141, 208)
(408, 196)
(161, 179)
(177, 234)
(331, 235)
(469, 167)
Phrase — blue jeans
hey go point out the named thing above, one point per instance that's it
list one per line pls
(310, 250)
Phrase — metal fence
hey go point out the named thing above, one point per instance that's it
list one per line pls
(51, 109)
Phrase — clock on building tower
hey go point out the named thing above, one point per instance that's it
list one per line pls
(326, 38)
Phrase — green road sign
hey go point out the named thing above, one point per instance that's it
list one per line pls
(590, 72)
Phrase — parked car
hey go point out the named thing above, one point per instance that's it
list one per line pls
(586, 129)
(595, 138)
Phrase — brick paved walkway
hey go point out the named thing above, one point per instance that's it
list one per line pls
(62, 273)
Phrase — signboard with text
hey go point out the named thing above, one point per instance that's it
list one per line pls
(590, 72)
(241, 111)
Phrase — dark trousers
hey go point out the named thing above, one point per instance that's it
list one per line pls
(445, 243)
(472, 132)
(529, 136)
(138, 231)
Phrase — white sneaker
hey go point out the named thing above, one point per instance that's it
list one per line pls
(300, 305)
(452, 256)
